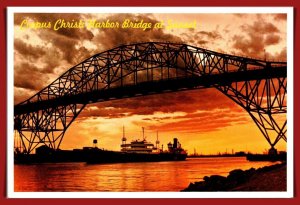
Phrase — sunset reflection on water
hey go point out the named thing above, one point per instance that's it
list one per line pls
(120, 177)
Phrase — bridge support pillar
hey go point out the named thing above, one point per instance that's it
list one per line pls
(272, 151)
(45, 127)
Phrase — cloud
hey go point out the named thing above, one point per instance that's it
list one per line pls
(212, 35)
(68, 42)
(280, 17)
(278, 56)
(28, 54)
(240, 15)
(255, 38)
(29, 77)
(282, 55)
(180, 117)
(272, 39)
(21, 94)
(28, 51)
(70, 49)
(204, 122)
(202, 38)
(55, 52)
(109, 38)
(251, 47)
(261, 27)
(185, 101)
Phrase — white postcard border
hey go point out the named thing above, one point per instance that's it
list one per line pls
(10, 102)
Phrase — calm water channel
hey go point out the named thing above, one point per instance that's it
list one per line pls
(157, 176)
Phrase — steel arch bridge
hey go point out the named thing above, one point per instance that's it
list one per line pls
(258, 86)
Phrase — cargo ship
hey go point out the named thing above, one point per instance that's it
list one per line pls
(135, 151)
(139, 151)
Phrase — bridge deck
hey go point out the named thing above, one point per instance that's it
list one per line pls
(153, 87)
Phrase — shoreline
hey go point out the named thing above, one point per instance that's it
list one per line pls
(268, 178)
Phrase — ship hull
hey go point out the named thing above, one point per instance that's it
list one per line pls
(119, 157)
(97, 156)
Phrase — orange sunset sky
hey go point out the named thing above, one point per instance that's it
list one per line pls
(204, 120)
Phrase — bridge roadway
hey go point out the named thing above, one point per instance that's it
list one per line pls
(153, 87)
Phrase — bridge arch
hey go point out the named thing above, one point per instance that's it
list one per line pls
(256, 85)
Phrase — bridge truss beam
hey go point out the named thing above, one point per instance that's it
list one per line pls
(147, 68)
(265, 101)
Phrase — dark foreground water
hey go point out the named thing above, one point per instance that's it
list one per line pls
(150, 176)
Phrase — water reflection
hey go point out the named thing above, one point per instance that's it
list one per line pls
(158, 176)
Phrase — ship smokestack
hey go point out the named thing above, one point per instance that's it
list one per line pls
(175, 142)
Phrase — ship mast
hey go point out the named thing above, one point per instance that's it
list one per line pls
(143, 133)
(124, 138)
(157, 141)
